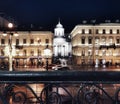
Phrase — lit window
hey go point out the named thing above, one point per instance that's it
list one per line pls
(110, 52)
(39, 41)
(103, 53)
(96, 52)
(96, 41)
(104, 41)
(89, 52)
(110, 41)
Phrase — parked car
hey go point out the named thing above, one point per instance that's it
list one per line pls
(61, 68)
(56, 67)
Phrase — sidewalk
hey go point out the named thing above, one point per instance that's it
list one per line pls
(29, 69)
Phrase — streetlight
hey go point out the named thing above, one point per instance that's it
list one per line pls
(10, 50)
(47, 54)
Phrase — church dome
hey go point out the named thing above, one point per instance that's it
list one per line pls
(59, 25)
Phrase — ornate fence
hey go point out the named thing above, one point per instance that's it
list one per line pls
(60, 87)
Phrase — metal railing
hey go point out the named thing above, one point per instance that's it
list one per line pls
(60, 87)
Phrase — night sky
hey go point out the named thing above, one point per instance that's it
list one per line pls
(46, 13)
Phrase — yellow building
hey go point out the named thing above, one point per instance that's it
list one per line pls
(91, 42)
(27, 48)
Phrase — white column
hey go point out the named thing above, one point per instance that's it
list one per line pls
(104, 62)
(96, 63)
(56, 50)
(10, 62)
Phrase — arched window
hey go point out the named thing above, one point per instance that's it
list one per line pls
(110, 40)
(97, 39)
(111, 31)
(90, 40)
(104, 31)
(103, 40)
(103, 52)
(118, 40)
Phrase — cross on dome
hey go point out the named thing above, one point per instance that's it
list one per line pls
(59, 25)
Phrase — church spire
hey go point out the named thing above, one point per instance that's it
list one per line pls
(59, 21)
(59, 25)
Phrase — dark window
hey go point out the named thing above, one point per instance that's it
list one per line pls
(39, 41)
(31, 41)
(39, 52)
(118, 41)
(32, 52)
(24, 41)
(97, 31)
(103, 31)
(17, 41)
(83, 40)
(47, 41)
(110, 31)
(25, 52)
(2, 52)
(90, 31)
(90, 41)
(117, 31)
(2, 41)
(83, 31)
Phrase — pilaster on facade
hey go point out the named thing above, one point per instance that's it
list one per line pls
(99, 41)
(28, 47)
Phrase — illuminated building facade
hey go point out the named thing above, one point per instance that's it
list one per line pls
(27, 48)
(61, 42)
(91, 42)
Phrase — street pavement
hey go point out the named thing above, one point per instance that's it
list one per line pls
(72, 67)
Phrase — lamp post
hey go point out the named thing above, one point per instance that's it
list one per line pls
(9, 50)
(47, 54)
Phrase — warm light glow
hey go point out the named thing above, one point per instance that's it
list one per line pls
(4, 34)
(7, 51)
(16, 34)
(10, 25)
(100, 31)
(21, 54)
(47, 52)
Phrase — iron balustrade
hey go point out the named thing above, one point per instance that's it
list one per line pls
(63, 87)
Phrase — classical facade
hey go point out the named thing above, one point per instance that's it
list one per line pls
(27, 48)
(61, 42)
(96, 42)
